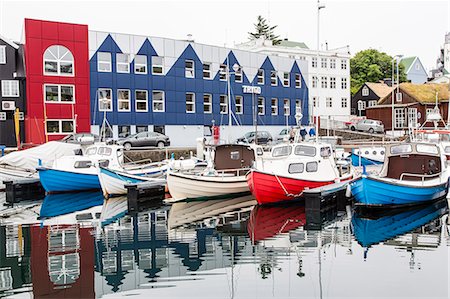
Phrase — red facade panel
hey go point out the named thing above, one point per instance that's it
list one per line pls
(39, 36)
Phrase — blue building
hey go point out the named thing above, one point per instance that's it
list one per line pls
(179, 88)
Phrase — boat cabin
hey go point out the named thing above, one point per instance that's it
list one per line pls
(233, 157)
(413, 162)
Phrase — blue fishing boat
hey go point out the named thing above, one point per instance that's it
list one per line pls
(412, 173)
(367, 156)
(55, 180)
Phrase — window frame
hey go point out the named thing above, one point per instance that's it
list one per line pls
(273, 78)
(162, 101)
(59, 86)
(157, 66)
(191, 102)
(141, 64)
(58, 61)
(224, 104)
(207, 103)
(365, 91)
(122, 100)
(60, 131)
(240, 105)
(136, 101)
(238, 74)
(109, 100)
(99, 62)
(208, 71)
(260, 76)
(263, 105)
(329, 102)
(323, 62)
(344, 100)
(332, 82)
(3, 59)
(126, 64)
(288, 101)
(344, 83)
(222, 72)
(272, 106)
(298, 80)
(332, 63)
(324, 82)
(343, 64)
(315, 81)
(286, 80)
(314, 62)
(11, 83)
(189, 72)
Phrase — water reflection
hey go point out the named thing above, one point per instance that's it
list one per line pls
(227, 247)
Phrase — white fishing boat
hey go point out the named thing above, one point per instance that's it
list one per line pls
(113, 209)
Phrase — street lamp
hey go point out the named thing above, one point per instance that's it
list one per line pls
(397, 59)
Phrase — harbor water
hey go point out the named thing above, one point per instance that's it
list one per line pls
(229, 248)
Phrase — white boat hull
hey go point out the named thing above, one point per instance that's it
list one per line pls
(10, 174)
(190, 186)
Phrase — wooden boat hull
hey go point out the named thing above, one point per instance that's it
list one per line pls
(189, 186)
(54, 180)
(369, 191)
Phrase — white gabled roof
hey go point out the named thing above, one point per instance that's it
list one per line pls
(9, 42)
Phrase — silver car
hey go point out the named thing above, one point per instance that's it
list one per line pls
(368, 125)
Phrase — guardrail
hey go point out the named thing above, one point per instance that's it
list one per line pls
(422, 176)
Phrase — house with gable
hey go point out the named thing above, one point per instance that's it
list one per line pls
(415, 72)
(368, 96)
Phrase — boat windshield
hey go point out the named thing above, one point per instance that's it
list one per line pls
(303, 150)
(447, 149)
(401, 149)
(105, 151)
(281, 151)
(91, 151)
(325, 152)
(427, 148)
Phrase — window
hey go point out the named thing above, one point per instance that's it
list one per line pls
(365, 91)
(123, 63)
(343, 64)
(158, 101)
(398, 96)
(361, 105)
(60, 126)
(372, 103)
(298, 107)
(59, 93)
(58, 60)
(260, 76)
(239, 105)
(323, 63)
(286, 79)
(223, 104)
(332, 82)
(314, 81)
(296, 168)
(314, 62)
(2, 115)
(157, 65)
(104, 62)
(344, 83)
(124, 131)
(428, 112)
(104, 99)
(298, 81)
(10, 88)
(311, 166)
(223, 72)
(238, 75)
(286, 107)
(417, 66)
(140, 64)
(2, 54)
(190, 102)
(332, 63)
(412, 117)
(123, 100)
(189, 69)
(324, 82)
(207, 71)
(207, 103)
(282, 151)
(260, 106)
(303, 150)
(399, 118)
(329, 102)
(315, 102)
(141, 97)
(273, 78)
(140, 129)
(344, 102)
(274, 106)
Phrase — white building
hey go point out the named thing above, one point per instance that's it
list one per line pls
(328, 77)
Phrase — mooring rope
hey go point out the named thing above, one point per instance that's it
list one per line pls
(284, 189)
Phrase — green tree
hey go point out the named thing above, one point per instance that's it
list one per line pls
(262, 28)
(372, 66)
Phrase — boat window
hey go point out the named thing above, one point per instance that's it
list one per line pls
(302, 150)
(259, 151)
(374, 152)
(427, 148)
(235, 155)
(325, 152)
(312, 166)
(91, 151)
(366, 152)
(382, 152)
(296, 168)
(106, 151)
(281, 151)
(447, 149)
(401, 149)
(103, 163)
(82, 164)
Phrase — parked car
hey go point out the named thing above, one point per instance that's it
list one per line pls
(81, 138)
(368, 125)
(284, 134)
(263, 137)
(145, 139)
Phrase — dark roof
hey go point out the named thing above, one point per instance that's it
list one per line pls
(423, 93)
(291, 44)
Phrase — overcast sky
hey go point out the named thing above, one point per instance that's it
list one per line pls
(411, 28)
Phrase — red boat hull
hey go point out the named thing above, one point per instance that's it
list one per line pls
(268, 189)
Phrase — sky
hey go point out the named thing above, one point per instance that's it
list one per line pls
(409, 28)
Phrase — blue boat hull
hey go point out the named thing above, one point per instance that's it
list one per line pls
(373, 192)
(65, 203)
(364, 161)
(65, 181)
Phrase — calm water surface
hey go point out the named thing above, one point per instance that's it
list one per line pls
(221, 249)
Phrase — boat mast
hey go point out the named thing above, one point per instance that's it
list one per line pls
(316, 121)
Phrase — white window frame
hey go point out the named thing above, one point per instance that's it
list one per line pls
(157, 66)
(60, 121)
(428, 111)
(125, 64)
(361, 105)
(324, 82)
(191, 101)
(59, 59)
(238, 75)
(138, 65)
(109, 100)
(412, 116)
(136, 101)
(239, 104)
(332, 82)
(274, 106)
(2, 116)
(59, 86)
(189, 72)
(273, 78)
(261, 106)
(332, 63)
(343, 83)
(106, 63)
(10, 88)
(315, 102)
(329, 102)
(298, 106)
(207, 103)
(398, 97)
(224, 104)
(260, 76)
(286, 80)
(223, 72)
(208, 71)
(343, 64)
(315, 81)
(344, 102)
(323, 62)
(365, 91)
(161, 101)
(298, 80)
(119, 100)
(2, 54)
(399, 116)
(286, 107)
(314, 62)
(372, 103)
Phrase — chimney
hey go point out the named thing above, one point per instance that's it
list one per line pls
(387, 81)
(190, 38)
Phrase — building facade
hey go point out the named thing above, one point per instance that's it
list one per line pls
(414, 69)
(368, 96)
(328, 75)
(12, 91)
(180, 88)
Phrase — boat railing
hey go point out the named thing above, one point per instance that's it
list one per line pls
(422, 176)
(233, 172)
